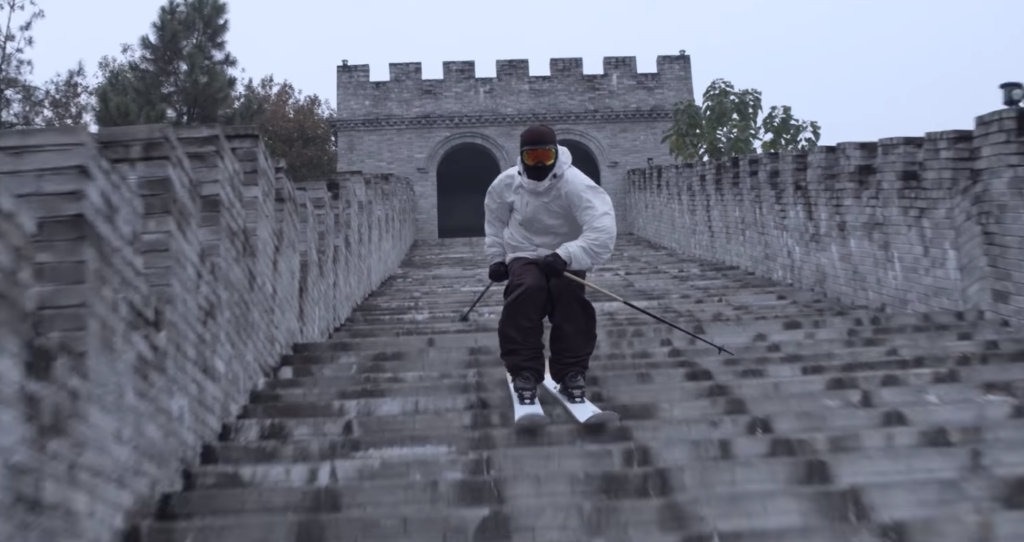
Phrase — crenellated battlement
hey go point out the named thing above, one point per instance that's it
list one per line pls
(560, 68)
(512, 90)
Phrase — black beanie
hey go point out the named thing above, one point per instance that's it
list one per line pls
(537, 136)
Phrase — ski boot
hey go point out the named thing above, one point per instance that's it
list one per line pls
(525, 386)
(574, 387)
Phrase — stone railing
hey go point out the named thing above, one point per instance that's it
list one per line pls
(150, 277)
(907, 223)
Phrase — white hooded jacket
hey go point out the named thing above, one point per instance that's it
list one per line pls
(566, 213)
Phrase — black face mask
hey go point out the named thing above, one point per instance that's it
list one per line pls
(533, 159)
(538, 173)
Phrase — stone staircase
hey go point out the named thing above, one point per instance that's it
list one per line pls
(830, 423)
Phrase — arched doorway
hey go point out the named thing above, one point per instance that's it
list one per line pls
(583, 158)
(464, 174)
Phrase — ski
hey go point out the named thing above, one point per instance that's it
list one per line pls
(585, 411)
(526, 414)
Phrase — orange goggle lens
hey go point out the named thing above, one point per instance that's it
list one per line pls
(539, 157)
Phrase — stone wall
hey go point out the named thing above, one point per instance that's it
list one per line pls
(149, 279)
(418, 154)
(907, 223)
(408, 124)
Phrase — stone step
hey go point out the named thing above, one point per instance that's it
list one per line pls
(458, 301)
(796, 366)
(627, 262)
(641, 399)
(475, 333)
(661, 447)
(596, 506)
(465, 492)
(385, 379)
(639, 439)
(641, 492)
(448, 312)
(581, 477)
(635, 338)
(728, 292)
(640, 507)
(678, 384)
(720, 294)
(684, 276)
(923, 341)
(655, 406)
(709, 307)
(639, 264)
(347, 388)
(436, 463)
(713, 318)
(455, 525)
(775, 360)
(559, 444)
(680, 282)
(960, 525)
(611, 315)
(944, 366)
(997, 377)
(631, 263)
(395, 405)
(845, 419)
(956, 355)
(708, 426)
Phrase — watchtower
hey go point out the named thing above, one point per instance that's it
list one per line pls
(452, 136)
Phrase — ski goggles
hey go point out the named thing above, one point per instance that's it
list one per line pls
(539, 156)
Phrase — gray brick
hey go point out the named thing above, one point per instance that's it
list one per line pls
(150, 280)
(918, 224)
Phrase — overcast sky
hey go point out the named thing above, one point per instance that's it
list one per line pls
(865, 69)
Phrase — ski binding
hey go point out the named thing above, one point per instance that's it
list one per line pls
(579, 406)
(527, 409)
(577, 397)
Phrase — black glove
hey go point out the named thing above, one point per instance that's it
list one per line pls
(498, 272)
(553, 265)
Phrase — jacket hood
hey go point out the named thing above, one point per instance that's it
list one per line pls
(562, 164)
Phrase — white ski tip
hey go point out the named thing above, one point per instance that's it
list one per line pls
(531, 420)
(603, 417)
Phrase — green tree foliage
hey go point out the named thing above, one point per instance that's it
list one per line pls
(727, 125)
(181, 73)
(66, 99)
(63, 100)
(120, 98)
(295, 127)
(18, 97)
(786, 132)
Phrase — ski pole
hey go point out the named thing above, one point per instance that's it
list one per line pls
(655, 316)
(465, 316)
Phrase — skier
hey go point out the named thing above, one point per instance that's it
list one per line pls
(543, 218)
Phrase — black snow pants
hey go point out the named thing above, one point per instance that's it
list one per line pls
(529, 297)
